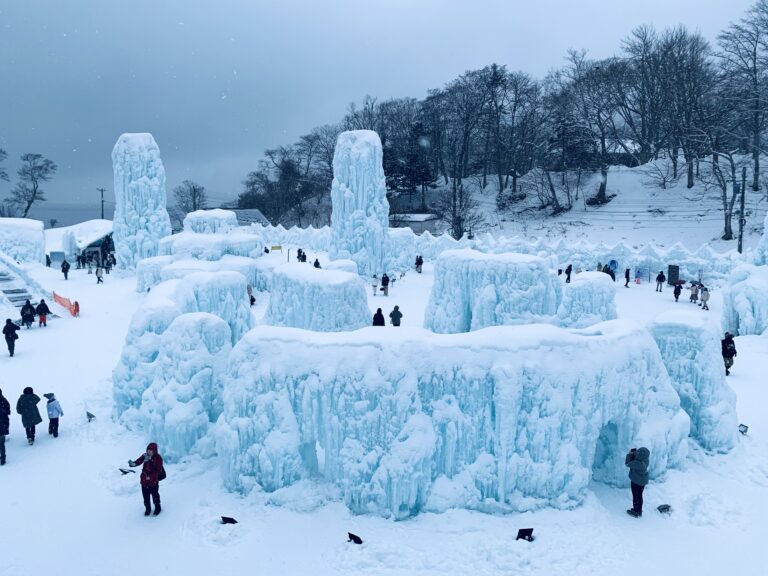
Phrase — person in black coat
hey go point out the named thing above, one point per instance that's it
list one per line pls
(660, 279)
(42, 312)
(626, 278)
(65, 268)
(9, 331)
(729, 351)
(317, 263)
(27, 314)
(5, 424)
(26, 407)
(568, 271)
(385, 283)
(378, 318)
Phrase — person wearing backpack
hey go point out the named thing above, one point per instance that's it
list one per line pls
(729, 351)
(152, 471)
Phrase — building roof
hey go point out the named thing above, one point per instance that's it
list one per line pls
(246, 216)
(413, 217)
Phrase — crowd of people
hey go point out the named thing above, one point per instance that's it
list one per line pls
(26, 408)
(93, 261)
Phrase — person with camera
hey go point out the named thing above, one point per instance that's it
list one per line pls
(152, 471)
(637, 460)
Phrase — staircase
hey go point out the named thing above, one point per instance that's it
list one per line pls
(14, 293)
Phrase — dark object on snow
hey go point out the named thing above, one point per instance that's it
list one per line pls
(48, 395)
(354, 538)
(89, 416)
(664, 509)
(743, 428)
(525, 534)
(378, 318)
(127, 471)
(228, 520)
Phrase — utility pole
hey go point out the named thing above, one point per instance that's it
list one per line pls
(742, 220)
(102, 201)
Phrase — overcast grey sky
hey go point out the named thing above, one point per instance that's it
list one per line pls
(218, 82)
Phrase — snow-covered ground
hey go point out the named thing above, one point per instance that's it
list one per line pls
(65, 507)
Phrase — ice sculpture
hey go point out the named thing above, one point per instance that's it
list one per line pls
(745, 300)
(210, 221)
(400, 421)
(761, 253)
(360, 216)
(589, 298)
(140, 219)
(185, 396)
(302, 296)
(473, 290)
(222, 294)
(22, 239)
(690, 348)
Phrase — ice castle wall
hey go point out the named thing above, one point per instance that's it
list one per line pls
(506, 417)
(360, 216)
(140, 219)
(745, 301)
(761, 253)
(210, 221)
(222, 294)
(690, 349)
(22, 239)
(588, 299)
(473, 290)
(302, 296)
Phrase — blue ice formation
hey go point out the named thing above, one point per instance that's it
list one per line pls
(690, 349)
(152, 271)
(22, 240)
(360, 216)
(210, 221)
(761, 253)
(302, 296)
(222, 294)
(745, 301)
(473, 290)
(588, 299)
(140, 219)
(505, 418)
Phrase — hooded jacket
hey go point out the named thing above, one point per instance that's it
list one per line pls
(54, 408)
(396, 316)
(5, 413)
(27, 408)
(378, 318)
(151, 467)
(638, 463)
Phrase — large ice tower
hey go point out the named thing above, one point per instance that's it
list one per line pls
(141, 219)
(360, 217)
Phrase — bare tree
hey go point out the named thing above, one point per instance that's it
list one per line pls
(3, 171)
(35, 169)
(190, 196)
(52, 222)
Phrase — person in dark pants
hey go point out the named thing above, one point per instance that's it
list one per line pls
(5, 424)
(378, 318)
(626, 278)
(395, 316)
(677, 291)
(54, 413)
(637, 460)
(30, 415)
(568, 271)
(385, 283)
(65, 268)
(9, 331)
(27, 314)
(152, 472)
(42, 313)
(729, 351)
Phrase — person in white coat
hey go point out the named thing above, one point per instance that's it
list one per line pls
(54, 413)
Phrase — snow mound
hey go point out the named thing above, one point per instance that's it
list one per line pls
(520, 417)
(690, 349)
(302, 296)
(360, 217)
(141, 219)
(588, 299)
(342, 265)
(221, 294)
(745, 301)
(473, 290)
(210, 221)
(240, 242)
(151, 271)
(22, 239)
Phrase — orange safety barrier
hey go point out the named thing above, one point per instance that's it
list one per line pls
(73, 307)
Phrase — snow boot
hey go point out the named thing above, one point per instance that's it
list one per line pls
(634, 514)
(147, 511)
(157, 509)
(30, 441)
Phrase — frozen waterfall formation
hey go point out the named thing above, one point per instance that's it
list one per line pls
(690, 349)
(303, 296)
(745, 301)
(506, 418)
(588, 299)
(140, 219)
(360, 217)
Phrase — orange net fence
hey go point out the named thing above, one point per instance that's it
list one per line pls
(73, 307)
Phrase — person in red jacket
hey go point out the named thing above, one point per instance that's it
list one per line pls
(152, 472)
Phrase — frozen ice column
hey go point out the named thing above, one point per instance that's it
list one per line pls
(141, 219)
(360, 216)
